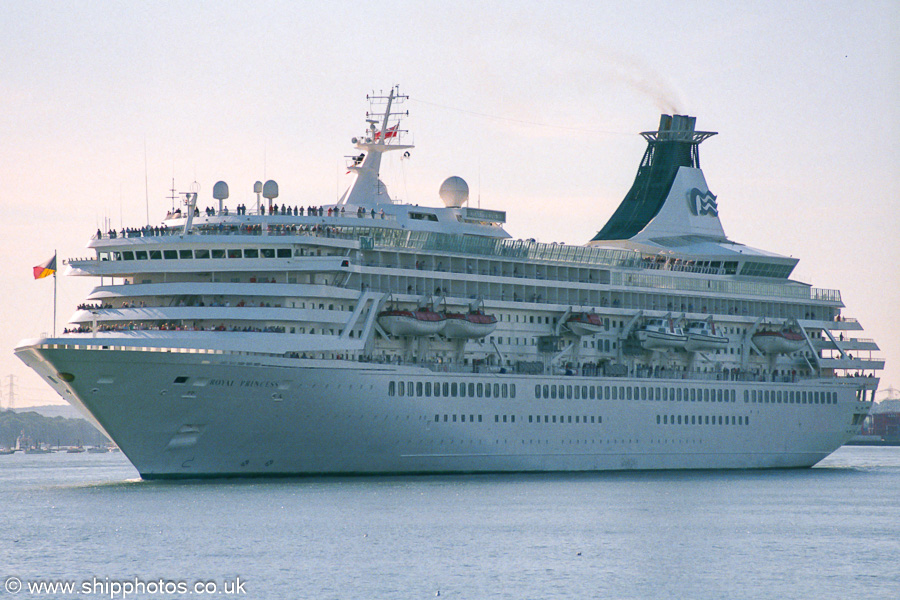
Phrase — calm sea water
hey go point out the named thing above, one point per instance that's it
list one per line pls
(828, 532)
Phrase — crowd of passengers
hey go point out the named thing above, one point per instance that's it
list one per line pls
(284, 210)
(174, 327)
(129, 232)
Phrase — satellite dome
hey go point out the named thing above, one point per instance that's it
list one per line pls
(454, 192)
(220, 190)
(270, 189)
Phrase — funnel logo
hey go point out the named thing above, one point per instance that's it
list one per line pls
(702, 203)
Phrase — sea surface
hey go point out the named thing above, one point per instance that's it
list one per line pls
(88, 520)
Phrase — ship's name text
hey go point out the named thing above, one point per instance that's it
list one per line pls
(244, 383)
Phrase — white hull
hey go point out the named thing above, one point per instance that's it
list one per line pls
(699, 341)
(403, 325)
(288, 417)
(461, 328)
(653, 340)
(776, 344)
(582, 329)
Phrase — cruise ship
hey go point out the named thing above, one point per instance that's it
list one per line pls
(371, 336)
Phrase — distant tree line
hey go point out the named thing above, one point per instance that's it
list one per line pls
(47, 430)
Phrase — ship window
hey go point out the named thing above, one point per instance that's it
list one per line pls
(496, 390)
(530, 417)
(453, 389)
(170, 254)
(746, 396)
(504, 390)
(471, 390)
(480, 390)
(628, 393)
(201, 253)
(180, 380)
(218, 254)
(454, 418)
(643, 393)
(445, 418)
(568, 392)
(437, 418)
(504, 418)
(553, 392)
(234, 253)
(251, 253)
(401, 388)
(185, 254)
(284, 252)
(155, 255)
(693, 420)
(462, 390)
(816, 396)
(479, 418)
(615, 393)
(267, 252)
(554, 418)
(418, 388)
(512, 390)
(391, 388)
(140, 255)
(446, 389)
(427, 389)
(496, 418)
(593, 391)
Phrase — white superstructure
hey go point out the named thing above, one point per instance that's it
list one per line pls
(369, 336)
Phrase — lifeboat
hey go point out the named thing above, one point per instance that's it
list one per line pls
(582, 324)
(661, 334)
(473, 324)
(778, 341)
(702, 335)
(416, 322)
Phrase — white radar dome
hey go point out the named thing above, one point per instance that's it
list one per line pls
(454, 192)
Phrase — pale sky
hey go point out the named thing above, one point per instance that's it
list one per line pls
(536, 104)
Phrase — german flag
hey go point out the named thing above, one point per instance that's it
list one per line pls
(45, 269)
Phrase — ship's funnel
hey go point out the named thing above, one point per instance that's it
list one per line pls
(671, 147)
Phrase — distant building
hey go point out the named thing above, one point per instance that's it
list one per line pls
(884, 420)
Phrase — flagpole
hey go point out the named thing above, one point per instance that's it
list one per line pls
(54, 294)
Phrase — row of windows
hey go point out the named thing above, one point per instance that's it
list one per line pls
(701, 420)
(563, 419)
(604, 392)
(789, 397)
(622, 392)
(199, 253)
(512, 419)
(453, 389)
